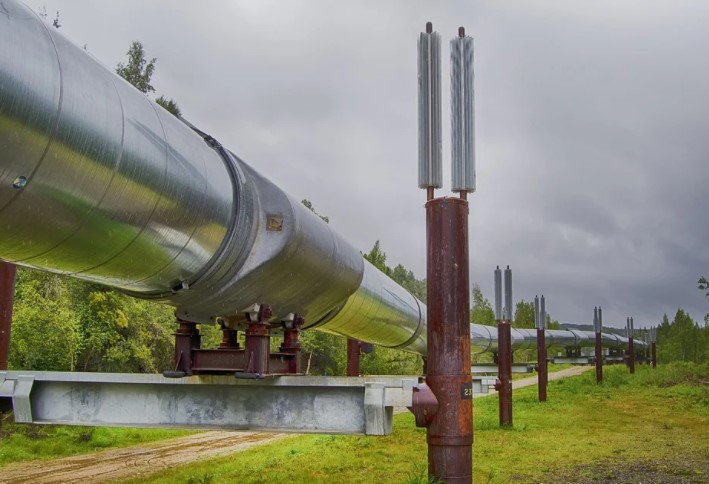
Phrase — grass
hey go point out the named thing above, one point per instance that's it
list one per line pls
(655, 414)
(22, 442)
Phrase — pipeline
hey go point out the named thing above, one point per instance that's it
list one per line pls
(99, 183)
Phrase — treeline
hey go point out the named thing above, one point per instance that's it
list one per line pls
(64, 324)
(682, 339)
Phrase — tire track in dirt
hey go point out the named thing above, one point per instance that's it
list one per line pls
(137, 460)
(146, 459)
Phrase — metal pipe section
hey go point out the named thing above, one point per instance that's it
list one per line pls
(450, 433)
(7, 296)
(99, 183)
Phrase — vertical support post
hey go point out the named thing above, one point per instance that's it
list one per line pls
(542, 374)
(258, 341)
(187, 338)
(598, 327)
(504, 355)
(354, 351)
(450, 434)
(229, 340)
(631, 347)
(653, 346)
(7, 297)
(291, 342)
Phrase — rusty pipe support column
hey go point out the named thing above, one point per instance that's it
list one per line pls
(258, 342)
(599, 358)
(542, 374)
(187, 339)
(598, 328)
(504, 371)
(354, 351)
(653, 349)
(7, 297)
(631, 355)
(450, 434)
(291, 342)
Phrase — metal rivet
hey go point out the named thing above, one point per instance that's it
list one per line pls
(19, 182)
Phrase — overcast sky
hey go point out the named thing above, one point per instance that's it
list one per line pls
(592, 128)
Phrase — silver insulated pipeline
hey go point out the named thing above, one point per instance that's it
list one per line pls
(99, 183)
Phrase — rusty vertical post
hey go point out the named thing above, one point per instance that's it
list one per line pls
(7, 297)
(291, 341)
(598, 327)
(229, 338)
(258, 341)
(504, 366)
(353, 356)
(450, 434)
(653, 346)
(631, 347)
(187, 338)
(542, 375)
(504, 348)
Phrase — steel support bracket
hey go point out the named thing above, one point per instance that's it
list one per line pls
(18, 389)
(362, 405)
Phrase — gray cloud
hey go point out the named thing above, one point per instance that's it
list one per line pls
(592, 122)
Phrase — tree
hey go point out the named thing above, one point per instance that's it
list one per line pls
(378, 258)
(481, 312)
(45, 329)
(704, 285)
(406, 279)
(169, 104)
(308, 204)
(138, 71)
(524, 315)
(42, 12)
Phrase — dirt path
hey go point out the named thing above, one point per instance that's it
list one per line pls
(149, 458)
(557, 375)
(135, 461)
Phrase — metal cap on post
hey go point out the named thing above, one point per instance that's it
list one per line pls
(537, 319)
(498, 294)
(509, 308)
(429, 110)
(462, 114)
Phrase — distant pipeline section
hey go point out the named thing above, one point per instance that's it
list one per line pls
(99, 183)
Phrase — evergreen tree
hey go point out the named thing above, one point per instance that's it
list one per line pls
(169, 104)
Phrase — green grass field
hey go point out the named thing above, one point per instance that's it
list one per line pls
(651, 419)
(656, 419)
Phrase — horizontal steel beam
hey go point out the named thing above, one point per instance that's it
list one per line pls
(344, 405)
(492, 368)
